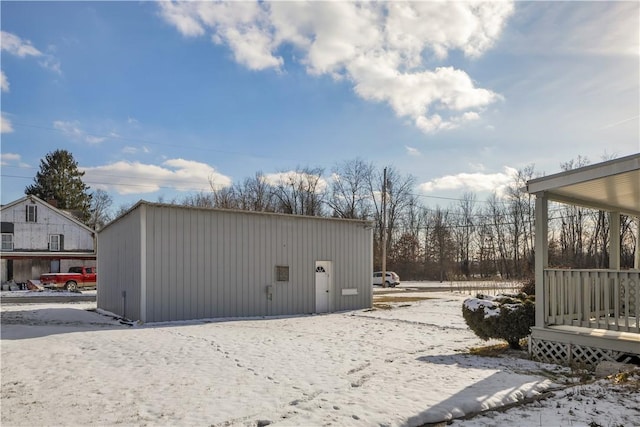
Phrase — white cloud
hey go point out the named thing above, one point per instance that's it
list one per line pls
(17, 46)
(478, 167)
(382, 48)
(23, 48)
(138, 178)
(413, 151)
(181, 18)
(69, 128)
(9, 158)
(72, 130)
(4, 82)
(134, 150)
(51, 63)
(5, 124)
(593, 28)
(489, 182)
(94, 139)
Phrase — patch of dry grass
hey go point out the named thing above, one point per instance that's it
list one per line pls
(383, 302)
(629, 380)
(495, 350)
(394, 298)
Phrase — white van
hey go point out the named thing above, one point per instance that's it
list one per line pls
(392, 280)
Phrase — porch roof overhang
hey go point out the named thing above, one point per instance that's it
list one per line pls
(47, 255)
(612, 186)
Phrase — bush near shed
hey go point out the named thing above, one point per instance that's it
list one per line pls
(507, 317)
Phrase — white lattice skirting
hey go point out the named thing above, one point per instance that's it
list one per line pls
(568, 354)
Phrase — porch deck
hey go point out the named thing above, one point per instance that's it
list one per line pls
(563, 344)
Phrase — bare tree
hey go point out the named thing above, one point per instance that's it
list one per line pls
(349, 197)
(201, 200)
(406, 256)
(521, 217)
(628, 240)
(224, 197)
(255, 194)
(499, 217)
(300, 192)
(399, 198)
(440, 242)
(572, 225)
(99, 209)
(485, 243)
(421, 243)
(464, 230)
(122, 209)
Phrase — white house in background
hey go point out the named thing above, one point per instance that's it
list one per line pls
(165, 262)
(588, 315)
(39, 238)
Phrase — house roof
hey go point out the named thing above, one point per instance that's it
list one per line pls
(53, 208)
(613, 185)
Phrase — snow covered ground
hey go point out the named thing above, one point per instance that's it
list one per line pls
(64, 364)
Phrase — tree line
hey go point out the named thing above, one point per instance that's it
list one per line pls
(469, 239)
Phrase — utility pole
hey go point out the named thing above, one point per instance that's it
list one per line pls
(384, 229)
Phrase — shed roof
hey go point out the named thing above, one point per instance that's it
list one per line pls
(362, 222)
(613, 185)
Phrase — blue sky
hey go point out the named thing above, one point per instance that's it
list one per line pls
(155, 98)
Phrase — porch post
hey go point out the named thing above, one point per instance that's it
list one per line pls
(541, 254)
(636, 262)
(614, 240)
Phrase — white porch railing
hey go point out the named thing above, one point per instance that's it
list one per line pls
(597, 299)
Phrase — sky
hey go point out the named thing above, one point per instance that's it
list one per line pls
(161, 99)
(403, 366)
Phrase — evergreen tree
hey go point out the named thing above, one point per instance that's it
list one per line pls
(59, 179)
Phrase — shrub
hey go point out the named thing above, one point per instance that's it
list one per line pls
(529, 286)
(507, 317)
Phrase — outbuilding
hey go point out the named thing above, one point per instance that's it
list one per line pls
(163, 262)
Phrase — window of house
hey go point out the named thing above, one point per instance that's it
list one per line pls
(282, 273)
(7, 242)
(32, 213)
(55, 242)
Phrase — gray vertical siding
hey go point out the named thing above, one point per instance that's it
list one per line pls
(204, 263)
(119, 266)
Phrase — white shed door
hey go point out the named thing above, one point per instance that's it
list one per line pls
(323, 270)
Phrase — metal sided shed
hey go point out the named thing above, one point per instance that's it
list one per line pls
(164, 263)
